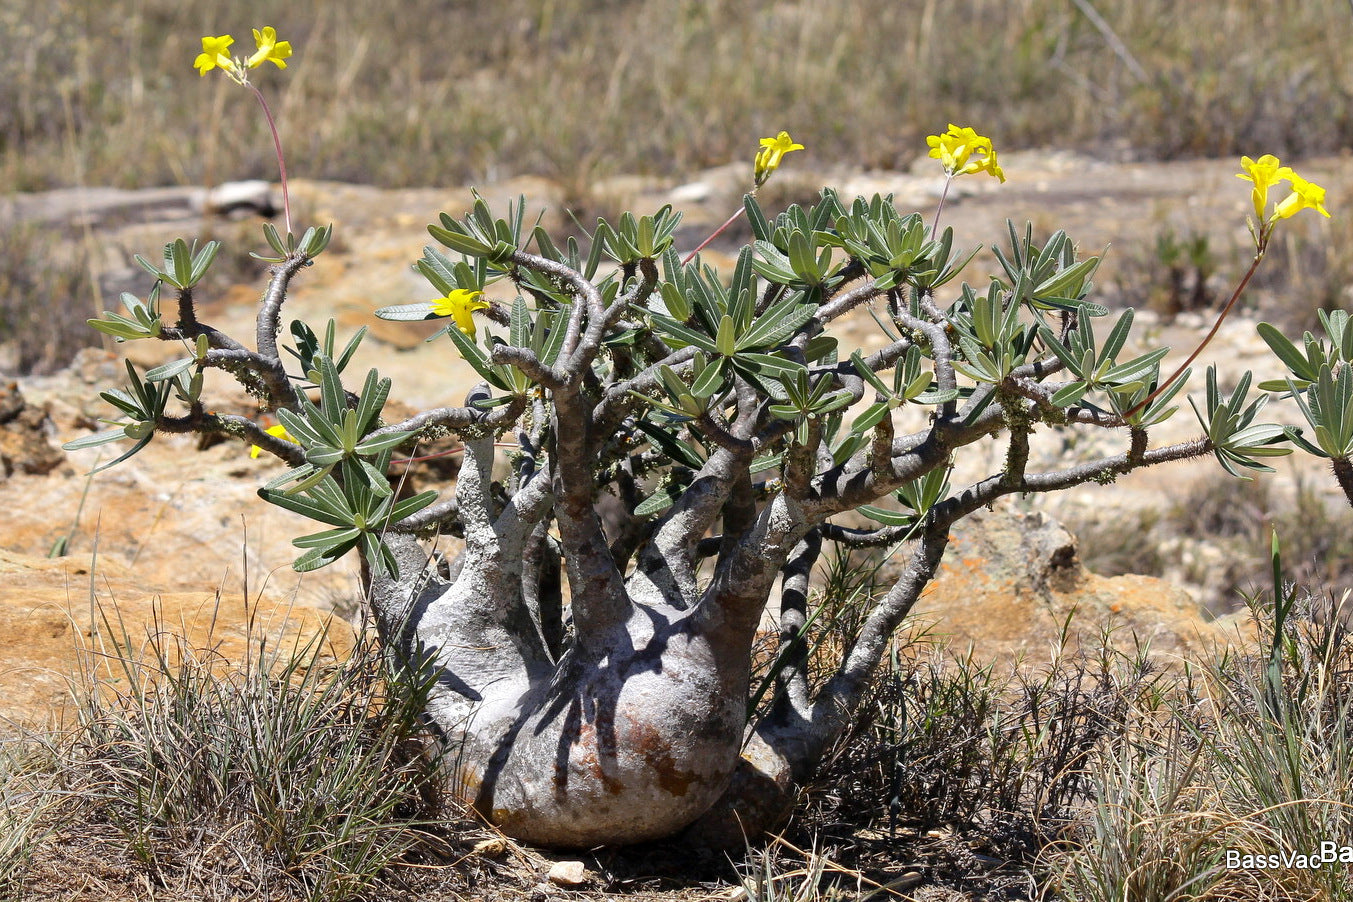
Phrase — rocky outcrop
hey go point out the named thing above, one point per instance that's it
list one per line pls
(1010, 580)
(24, 447)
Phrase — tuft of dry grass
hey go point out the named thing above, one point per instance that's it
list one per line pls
(25, 808)
(1173, 275)
(285, 773)
(1092, 776)
(1101, 775)
(969, 771)
(1255, 759)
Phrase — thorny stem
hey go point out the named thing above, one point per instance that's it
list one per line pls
(265, 338)
(1225, 311)
(1343, 472)
(281, 161)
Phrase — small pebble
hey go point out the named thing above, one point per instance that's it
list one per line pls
(568, 873)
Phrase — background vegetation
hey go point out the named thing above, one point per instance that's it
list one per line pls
(444, 92)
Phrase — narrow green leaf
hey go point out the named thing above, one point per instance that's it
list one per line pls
(802, 258)
(306, 506)
(442, 282)
(658, 502)
(885, 516)
(124, 330)
(780, 368)
(869, 375)
(274, 239)
(1117, 336)
(670, 445)
(519, 330)
(936, 396)
(475, 356)
(835, 401)
(741, 291)
(409, 313)
(202, 262)
(459, 242)
(1294, 435)
(1135, 368)
(1069, 394)
(316, 558)
(169, 370)
(1287, 352)
(411, 505)
(141, 443)
(724, 340)
(682, 333)
(329, 538)
(545, 245)
(375, 391)
(1061, 351)
(710, 381)
(1068, 282)
(777, 324)
(370, 446)
(303, 477)
(871, 417)
(755, 218)
(300, 427)
(98, 438)
(548, 347)
(180, 264)
(675, 302)
(323, 455)
(124, 402)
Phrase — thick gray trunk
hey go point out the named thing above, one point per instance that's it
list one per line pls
(627, 739)
(632, 734)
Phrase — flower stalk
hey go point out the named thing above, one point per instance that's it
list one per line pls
(714, 234)
(961, 151)
(216, 55)
(767, 160)
(1265, 173)
(281, 159)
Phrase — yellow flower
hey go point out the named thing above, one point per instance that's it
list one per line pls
(1264, 172)
(955, 150)
(954, 147)
(1305, 195)
(986, 164)
(460, 304)
(278, 431)
(269, 49)
(771, 152)
(215, 52)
